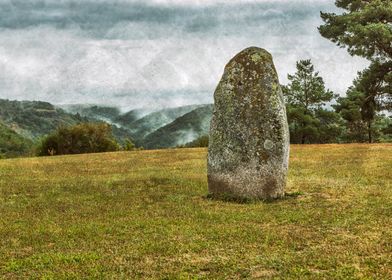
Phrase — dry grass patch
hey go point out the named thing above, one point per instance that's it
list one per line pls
(144, 215)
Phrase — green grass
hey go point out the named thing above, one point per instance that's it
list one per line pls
(145, 215)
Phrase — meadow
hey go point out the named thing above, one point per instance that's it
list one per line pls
(145, 215)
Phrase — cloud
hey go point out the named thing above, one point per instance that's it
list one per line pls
(153, 53)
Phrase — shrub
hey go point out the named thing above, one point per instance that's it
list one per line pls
(79, 139)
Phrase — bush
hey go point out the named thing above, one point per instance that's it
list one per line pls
(79, 139)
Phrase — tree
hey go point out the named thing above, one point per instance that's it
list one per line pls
(365, 28)
(383, 128)
(349, 107)
(79, 139)
(367, 96)
(305, 95)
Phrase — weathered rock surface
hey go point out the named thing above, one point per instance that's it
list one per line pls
(249, 137)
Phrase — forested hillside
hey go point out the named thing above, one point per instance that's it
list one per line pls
(13, 144)
(32, 119)
(151, 122)
(183, 130)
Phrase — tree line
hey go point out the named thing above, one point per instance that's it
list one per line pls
(364, 113)
(317, 115)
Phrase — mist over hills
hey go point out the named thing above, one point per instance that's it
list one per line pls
(25, 122)
(182, 130)
(182, 124)
(152, 122)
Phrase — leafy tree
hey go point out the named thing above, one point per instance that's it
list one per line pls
(365, 28)
(79, 139)
(305, 97)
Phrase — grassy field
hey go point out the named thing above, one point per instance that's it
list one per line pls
(145, 215)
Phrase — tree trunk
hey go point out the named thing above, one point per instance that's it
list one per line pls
(370, 132)
(303, 139)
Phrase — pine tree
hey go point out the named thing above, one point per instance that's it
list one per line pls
(304, 95)
(365, 28)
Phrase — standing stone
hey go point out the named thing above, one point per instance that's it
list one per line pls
(249, 138)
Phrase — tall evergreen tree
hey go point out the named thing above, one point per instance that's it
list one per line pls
(305, 96)
(365, 28)
(349, 107)
(368, 95)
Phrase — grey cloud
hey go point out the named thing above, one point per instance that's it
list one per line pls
(100, 16)
(137, 53)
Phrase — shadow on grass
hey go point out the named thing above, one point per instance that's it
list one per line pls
(245, 200)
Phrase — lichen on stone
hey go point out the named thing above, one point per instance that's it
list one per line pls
(249, 138)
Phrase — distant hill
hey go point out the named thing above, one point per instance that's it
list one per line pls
(130, 117)
(182, 130)
(12, 144)
(34, 119)
(148, 124)
(137, 122)
(170, 127)
(108, 114)
(104, 113)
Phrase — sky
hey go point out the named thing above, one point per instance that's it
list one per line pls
(155, 53)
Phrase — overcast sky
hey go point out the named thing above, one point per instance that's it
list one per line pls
(154, 53)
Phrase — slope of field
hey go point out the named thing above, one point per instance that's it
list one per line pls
(144, 215)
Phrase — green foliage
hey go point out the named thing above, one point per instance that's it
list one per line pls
(376, 83)
(79, 139)
(383, 128)
(349, 107)
(306, 88)
(13, 144)
(368, 95)
(305, 97)
(364, 28)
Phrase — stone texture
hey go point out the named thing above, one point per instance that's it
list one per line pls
(249, 137)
